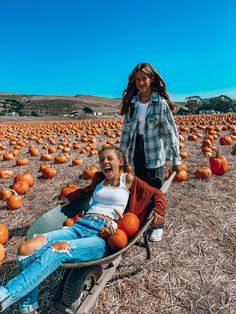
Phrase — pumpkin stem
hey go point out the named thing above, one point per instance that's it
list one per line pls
(13, 191)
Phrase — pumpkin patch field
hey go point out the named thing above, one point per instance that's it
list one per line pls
(192, 270)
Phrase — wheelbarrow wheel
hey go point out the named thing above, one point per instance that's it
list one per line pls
(78, 284)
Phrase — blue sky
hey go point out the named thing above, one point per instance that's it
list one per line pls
(90, 47)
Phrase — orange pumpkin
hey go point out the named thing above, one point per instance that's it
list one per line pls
(77, 162)
(2, 253)
(104, 233)
(5, 194)
(89, 172)
(69, 222)
(6, 174)
(48, 172)
(60, 159)
(129, 224)
(22, 161)
(21, 187)
(68, 189)
(219, 164)
(14, 202)
(8, 156)
(183, 154)
(226, 140)
(181, 176)
(28, 177)
(203, 173)
(118, 240)
(4, 234)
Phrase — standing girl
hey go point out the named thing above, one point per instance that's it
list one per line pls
(149, 134)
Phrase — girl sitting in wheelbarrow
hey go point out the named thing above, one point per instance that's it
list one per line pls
(38, 257)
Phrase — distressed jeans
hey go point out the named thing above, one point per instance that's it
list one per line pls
(84, 244)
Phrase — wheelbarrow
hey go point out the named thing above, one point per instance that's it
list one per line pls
(83, 282)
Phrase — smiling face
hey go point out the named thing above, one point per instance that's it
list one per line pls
(110, 163)
(143, 82)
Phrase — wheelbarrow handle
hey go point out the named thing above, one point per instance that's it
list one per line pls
(167, 183)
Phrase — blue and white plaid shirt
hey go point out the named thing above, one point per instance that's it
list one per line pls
(161, 139)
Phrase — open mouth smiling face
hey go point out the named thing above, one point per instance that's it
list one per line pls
(110, 163)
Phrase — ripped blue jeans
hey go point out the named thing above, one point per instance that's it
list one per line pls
(84, 244)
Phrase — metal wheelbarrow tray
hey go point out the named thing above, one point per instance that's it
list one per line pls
(83, 282)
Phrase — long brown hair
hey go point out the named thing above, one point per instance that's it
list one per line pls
(157, 85)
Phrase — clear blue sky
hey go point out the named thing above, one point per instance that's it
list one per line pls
(90, 47)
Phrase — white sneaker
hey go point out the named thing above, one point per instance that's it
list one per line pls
(156, 235)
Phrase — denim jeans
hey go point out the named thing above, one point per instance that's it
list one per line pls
(84, 244)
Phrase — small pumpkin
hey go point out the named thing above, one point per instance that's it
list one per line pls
(69, 222)
(5, 194)
(28, 177)
(77, 162)
(181, 176)
(4, 234)
(68, 189)
(226, 140)
(104, 233)
(48, 172)
(14, 202)
(183, 154)
(203, 173)
(8, 156)
(2, 253)
(21, 187)
(89, 172)
(22, 161)
(62, 159)
(6, 174)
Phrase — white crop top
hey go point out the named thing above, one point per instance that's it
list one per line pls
(106, 200)
(142, 110)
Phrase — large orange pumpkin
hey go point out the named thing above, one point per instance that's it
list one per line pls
(129, 224)
(219, 164)
(118, 240)
(4, 234)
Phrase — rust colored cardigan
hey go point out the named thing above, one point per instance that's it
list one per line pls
(140, 195)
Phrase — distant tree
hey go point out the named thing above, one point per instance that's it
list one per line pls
(193, 103)
(34, 114)
(221, 103)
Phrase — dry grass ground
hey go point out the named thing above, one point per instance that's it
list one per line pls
(192, 270)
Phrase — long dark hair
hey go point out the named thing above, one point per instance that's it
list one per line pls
(157, 85)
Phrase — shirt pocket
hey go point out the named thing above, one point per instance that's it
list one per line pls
(154, 121)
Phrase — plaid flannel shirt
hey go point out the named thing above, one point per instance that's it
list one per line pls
(161, 140)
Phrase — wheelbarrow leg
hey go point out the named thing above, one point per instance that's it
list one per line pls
(146, 244)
